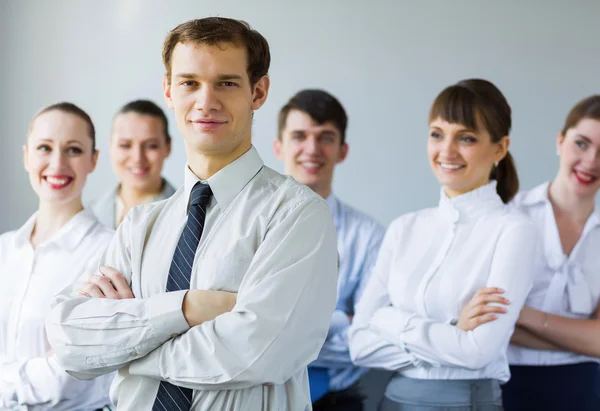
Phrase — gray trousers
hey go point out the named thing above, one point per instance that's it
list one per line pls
(409, 394)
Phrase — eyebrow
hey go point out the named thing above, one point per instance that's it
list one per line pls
(587, 139)
(221, 77)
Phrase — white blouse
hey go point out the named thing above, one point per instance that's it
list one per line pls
(31, 378)
(430, 265)
(568, 286)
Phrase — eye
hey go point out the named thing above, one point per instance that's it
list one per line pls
(125, 146)
(581, 144)
(44, 148)
(189, 83)
(153, 146)
(74, 150)
(435, 135)
(228, 84)
(298, 136)
(327, 139)
(468, 139)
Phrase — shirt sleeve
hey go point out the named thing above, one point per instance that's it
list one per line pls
(95, 336)
(335, 351)
(281, 317)
(367, 347)
(42, 381)
(512, 268)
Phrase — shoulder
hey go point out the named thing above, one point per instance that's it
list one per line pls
(284, 193)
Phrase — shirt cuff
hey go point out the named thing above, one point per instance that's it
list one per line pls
(339, 322)
(165, 314)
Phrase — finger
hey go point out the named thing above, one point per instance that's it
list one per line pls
(105, 286)
(492, 298)
(487, 309)
(118, 282)
(91, 290)
(489, 290)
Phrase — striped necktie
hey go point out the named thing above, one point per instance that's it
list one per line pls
(171, 397)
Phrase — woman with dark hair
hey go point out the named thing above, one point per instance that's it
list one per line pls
(139, 145)
(41, 258)
(433, 261)
(555, 348)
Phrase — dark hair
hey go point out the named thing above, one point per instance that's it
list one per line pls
(587, 108)
(320, 106)
(69, 108)
(147, 108)
(477, 104)
(215, 30)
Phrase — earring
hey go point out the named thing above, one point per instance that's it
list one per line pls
(496, 164)
(557, 152)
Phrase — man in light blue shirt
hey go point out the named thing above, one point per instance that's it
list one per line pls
(311, 142)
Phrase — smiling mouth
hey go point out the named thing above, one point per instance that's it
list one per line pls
(139, 172)
(451, 167)
(311, 166)
(584, 178)
(58, 182)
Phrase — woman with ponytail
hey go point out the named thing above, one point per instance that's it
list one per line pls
(433, 261)
(555, 349)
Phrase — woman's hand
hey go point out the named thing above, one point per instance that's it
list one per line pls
(479, 311)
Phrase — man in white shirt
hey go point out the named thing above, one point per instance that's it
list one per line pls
(236, 226)
(311, 142)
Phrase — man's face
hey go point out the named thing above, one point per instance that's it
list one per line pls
(310, 151)
(212, 97)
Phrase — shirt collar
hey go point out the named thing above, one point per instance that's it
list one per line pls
(539, 195)
(68, 237)
(471, 205)
(227, 183)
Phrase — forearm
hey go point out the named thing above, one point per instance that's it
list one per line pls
(96, 336)
(522, 337)
(581, 336)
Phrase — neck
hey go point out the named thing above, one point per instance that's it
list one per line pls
(206, 165)
(323, 191)
(52, 217)
(577, 208)
(132, 197)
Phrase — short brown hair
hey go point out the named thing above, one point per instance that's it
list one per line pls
(477, 103)
(587, 108)
(214, 30)
(69, 108)
(320, 106)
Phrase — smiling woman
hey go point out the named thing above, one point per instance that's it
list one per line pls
(59, 155)
(433, 261)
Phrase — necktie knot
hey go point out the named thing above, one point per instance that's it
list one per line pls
(200, 194)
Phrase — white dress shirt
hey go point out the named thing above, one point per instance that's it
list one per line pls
(431, 263)
(266, 237)
(30, 379)
(568, 286)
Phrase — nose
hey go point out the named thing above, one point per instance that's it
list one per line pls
(206, 99)
(311, 145)
(138, 154)
(58, 159)
(448, 148)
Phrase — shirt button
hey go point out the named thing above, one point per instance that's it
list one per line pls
(174, 335)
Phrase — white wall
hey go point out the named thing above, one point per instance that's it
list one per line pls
(385, 60)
